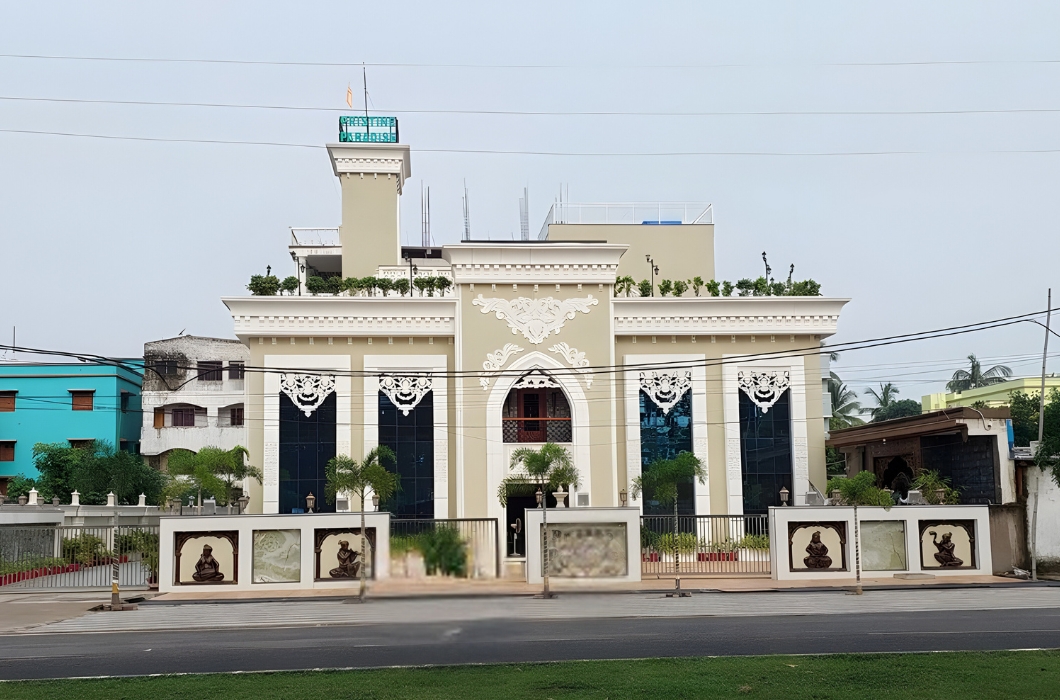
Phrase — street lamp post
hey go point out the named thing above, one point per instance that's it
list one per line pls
(654, 271)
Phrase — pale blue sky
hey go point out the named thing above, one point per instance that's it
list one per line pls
(107, 244)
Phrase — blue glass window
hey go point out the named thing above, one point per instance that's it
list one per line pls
(411, 438)
(664, 436)
(306, 445)
(765, 453)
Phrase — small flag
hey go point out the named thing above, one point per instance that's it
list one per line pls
(349, 96)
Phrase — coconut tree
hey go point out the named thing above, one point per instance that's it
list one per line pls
(211, 470)
(845, 405)
(624, 286)
(974, 377)
(548, 467)
(348, 475)
(884, 398)
(663, 477)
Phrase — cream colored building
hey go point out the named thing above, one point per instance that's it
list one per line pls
(531, 344)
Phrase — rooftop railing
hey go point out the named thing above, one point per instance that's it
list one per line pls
(315, 236)
(651, 213)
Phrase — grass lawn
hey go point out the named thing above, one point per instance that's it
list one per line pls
(964, 675)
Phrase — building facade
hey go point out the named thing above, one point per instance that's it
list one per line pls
(193, 396)
(66, 403)
(531, 344)
(993, 396)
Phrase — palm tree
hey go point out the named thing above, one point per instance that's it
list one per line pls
(550, 466)
(211, 470)
(845, 406)
(347, 475)
(884, 398)
(974, 377)
(624, 286)
(662, 477)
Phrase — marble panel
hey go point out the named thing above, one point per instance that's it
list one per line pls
(587, 550)
(277, 556)
(883, 545)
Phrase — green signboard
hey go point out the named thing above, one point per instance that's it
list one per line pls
(364, 129)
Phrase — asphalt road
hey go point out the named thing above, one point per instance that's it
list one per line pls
(503, 641)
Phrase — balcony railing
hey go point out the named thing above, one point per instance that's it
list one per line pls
(306, 237)
(536, 429)
(657, 213)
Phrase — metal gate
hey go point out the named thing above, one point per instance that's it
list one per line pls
(704, 544)
(66, 558)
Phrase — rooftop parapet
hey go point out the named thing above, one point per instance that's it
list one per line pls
(642, 213)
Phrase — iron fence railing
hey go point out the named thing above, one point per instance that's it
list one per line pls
(705, 544)
(459, 547)
(51, 557)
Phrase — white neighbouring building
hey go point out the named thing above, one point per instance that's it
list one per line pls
(193, 396)
(531, 344)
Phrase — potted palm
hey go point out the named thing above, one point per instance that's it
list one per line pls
(550, 466)
(347, 475)
(662, 477)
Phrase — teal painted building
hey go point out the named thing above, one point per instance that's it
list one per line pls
(71, 403)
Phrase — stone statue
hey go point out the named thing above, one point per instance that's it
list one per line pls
(348, 564)
(207, 569)
(945, 555)
(818, 552)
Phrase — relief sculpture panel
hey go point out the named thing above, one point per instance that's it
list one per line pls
(583, 550)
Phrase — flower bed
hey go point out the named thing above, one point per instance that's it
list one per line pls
(29, 574)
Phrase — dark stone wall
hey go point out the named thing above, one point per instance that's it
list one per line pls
(970, 465)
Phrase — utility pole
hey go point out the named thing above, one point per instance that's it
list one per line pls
(1041, 434)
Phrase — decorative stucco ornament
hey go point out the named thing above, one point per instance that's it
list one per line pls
(535, 318)
(576, 359)
(405, 391)
(536, 379)
(495, 360)
(307, 391)
(665, 389)
(764, 388)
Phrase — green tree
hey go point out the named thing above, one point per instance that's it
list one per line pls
(348, 475)
(886, 396)
(442, 284)
(20, 486)
(662, 477)
(644, 288)
(402, 286)
(974, 377)
(385, 284)
(713, 288)
(1024, 408)
(697, 285)
(835, 462)
(424, 284)
(624, 286)
(898, 409)
(860, 490)
(264, 285)
(680, 287)
(548, 468)
(289, 284)
(211, 471)
(845, 406)
(94, 471)
(666, 287)
(726, 288)
(316, 285)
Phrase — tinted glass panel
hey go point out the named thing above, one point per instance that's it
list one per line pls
(765, 453)
(306, 445)
(664, 436)
(411, 438)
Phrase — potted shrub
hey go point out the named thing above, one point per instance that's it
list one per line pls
(722, 550)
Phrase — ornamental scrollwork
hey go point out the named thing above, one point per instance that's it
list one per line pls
(307, 391)
(495, 360)
(405, 391)
(536, 379)
(764, 388)
(576, 359)
(536, 319)
(665, 389)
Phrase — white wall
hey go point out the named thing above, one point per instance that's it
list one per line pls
(629, 515)
(1047, 542)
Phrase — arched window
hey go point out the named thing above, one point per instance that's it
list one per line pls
(536, 410)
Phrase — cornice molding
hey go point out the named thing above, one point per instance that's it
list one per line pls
(721, 316)
(346, 316)
(583, 263)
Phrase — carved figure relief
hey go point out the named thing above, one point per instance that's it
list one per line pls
(405, 391)
(495, 360)
(665, 389)
(576, 359)
(207, 569)
(307, 391)
(948, 544)
(818, 552)
(536, 319)
(348, 564)
(764, 388)
(945, 555)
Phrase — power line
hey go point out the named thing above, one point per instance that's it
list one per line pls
(571, 154)
(527, 66)
(542, 113)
